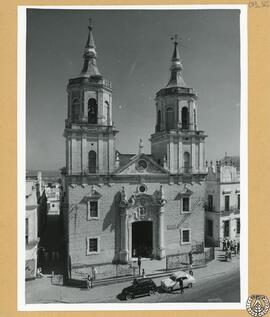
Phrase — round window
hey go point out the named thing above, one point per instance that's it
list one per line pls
(141, 165)
(142, 188)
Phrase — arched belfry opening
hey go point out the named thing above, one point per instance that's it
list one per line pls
(194, 118)
(185, 118)
(187, 166)
(92, 111)
(75, 111)
(169, 118)
(92, 162)
(107, 112)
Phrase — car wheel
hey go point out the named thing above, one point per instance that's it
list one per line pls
(152, 292)
(128, 297)
(189, 285)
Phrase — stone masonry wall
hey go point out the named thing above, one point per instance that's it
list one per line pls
(107, 226)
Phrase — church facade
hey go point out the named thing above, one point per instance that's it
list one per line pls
(120, 206)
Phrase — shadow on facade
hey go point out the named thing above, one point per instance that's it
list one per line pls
(112, 220)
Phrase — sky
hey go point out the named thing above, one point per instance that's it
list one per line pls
(134, 52)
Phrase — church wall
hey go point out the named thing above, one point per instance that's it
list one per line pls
(104, 228)
(107, 227)
(175, 220)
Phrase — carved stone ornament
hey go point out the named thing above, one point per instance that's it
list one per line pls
(93, 195)
(142, 199)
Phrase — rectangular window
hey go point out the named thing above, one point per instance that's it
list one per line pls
(92, 207)
(92, 245)
(185, 204)
(26, 231)
(238, 226)
(210, 202)
(226, 229)
(185, 236)
(227, 203)
(210, 228)
(238, 201)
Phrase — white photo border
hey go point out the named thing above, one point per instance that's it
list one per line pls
(21, 167)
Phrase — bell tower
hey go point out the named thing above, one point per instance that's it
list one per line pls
(89, 130)
(177, 143)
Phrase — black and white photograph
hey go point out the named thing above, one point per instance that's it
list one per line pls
(135, 145)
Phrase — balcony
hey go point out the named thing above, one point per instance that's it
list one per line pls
(232, 209)
(209, 208)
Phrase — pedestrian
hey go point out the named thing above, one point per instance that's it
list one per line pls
(181, 285)
(143, 273)
(39, 272)
(223, 245)
(190, 255)
(191, 269)
(234, 247)
(229, 254)
(89, 281)
(228, 245)
(139, 264)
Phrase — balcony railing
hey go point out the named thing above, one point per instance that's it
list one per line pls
(231, 209)
(210, 208)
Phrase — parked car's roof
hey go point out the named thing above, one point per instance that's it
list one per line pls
(143, 280)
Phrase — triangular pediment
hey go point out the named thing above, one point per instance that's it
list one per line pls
(141, 164)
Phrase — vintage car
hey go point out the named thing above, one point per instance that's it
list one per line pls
(171, 283)
(140, 286)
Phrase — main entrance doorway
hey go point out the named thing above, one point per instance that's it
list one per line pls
(142, 238)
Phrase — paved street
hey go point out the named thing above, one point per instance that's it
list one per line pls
(218, 288)
(219, 281)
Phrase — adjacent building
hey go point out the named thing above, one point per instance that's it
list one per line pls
(53, 192)
(222, 215)
(118, 205)
(31, 229)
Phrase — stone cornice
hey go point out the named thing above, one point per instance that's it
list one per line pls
(179, 134)
(110, 179)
